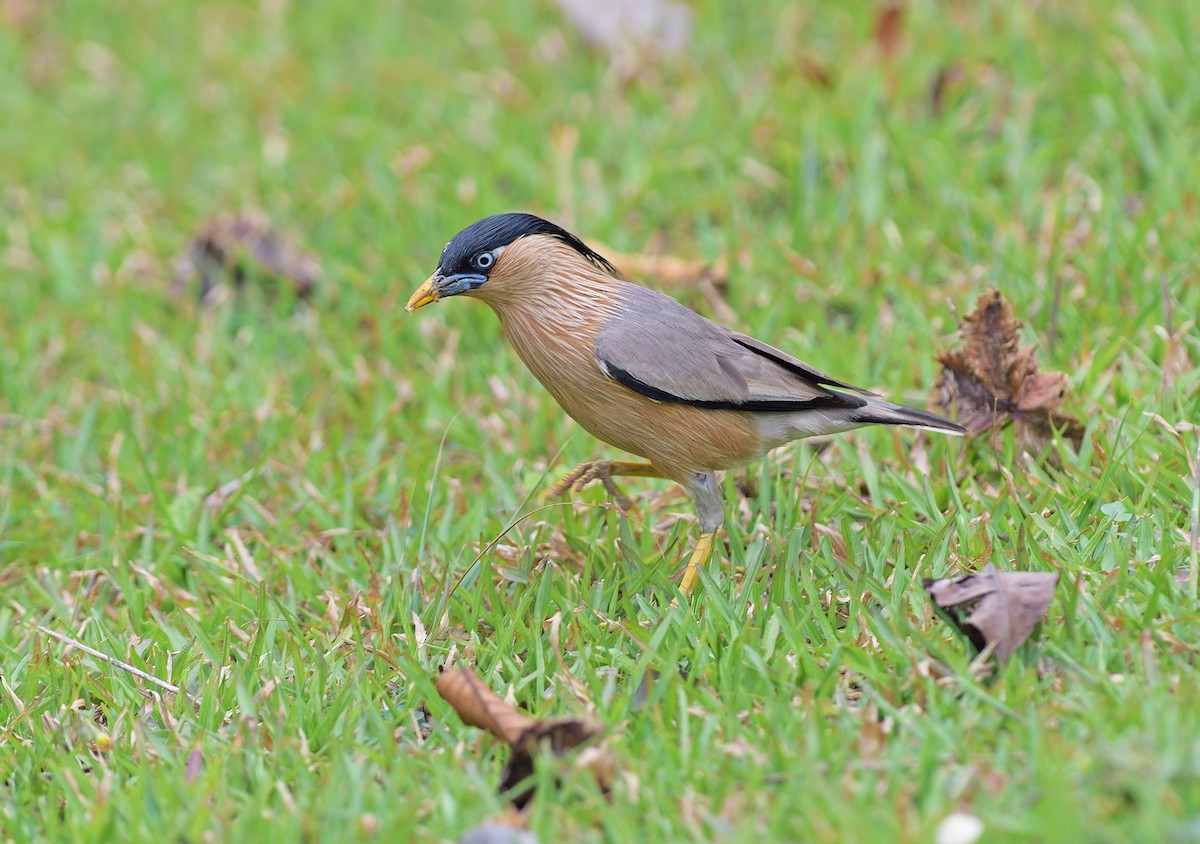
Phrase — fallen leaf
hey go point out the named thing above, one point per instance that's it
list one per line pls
(993, 380)
(230, 246)
(478, 706)
(997, 608)
(889, 25)
(558, 736)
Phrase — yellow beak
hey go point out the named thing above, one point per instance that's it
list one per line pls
(424, 295)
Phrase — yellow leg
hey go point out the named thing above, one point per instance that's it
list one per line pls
(603, 471)
(700, 556)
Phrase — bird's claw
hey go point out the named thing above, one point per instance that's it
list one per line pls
(586, 473)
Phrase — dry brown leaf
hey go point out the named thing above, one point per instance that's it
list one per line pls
(889, 29)
(998, 608)
(992, 380)
(229, 246)
(478, 706)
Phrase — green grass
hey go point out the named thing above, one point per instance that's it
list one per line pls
(812, 695)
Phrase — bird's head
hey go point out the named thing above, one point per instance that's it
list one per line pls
(483, 257)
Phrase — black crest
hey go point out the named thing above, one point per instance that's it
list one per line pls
(501, 230)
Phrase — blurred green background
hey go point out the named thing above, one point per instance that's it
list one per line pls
(865, 174)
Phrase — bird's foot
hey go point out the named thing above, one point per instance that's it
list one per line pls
(603, 471)
(691, 572)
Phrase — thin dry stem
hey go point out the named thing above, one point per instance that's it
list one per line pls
(111, 660)
(1195, 549)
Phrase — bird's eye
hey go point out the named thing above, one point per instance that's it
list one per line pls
(484, 260)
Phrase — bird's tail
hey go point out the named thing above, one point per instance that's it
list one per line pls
(880, 412)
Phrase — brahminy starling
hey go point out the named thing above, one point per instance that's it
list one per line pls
(640, 371)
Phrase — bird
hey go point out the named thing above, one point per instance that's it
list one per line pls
(644, 373)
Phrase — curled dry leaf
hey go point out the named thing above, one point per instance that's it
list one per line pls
(232, 246)
(992, 380)
(889, 29)
(998, 608)
(478, 706)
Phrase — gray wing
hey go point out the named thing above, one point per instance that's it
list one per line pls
(668, 353)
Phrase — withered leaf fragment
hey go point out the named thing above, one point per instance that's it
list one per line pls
(889, 26)
(478, 706)
(994, 607)
(992, 380)
(230, 246)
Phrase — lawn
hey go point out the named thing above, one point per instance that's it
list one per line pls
(293, 513)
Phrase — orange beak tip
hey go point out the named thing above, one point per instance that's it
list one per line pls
(424, 295)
